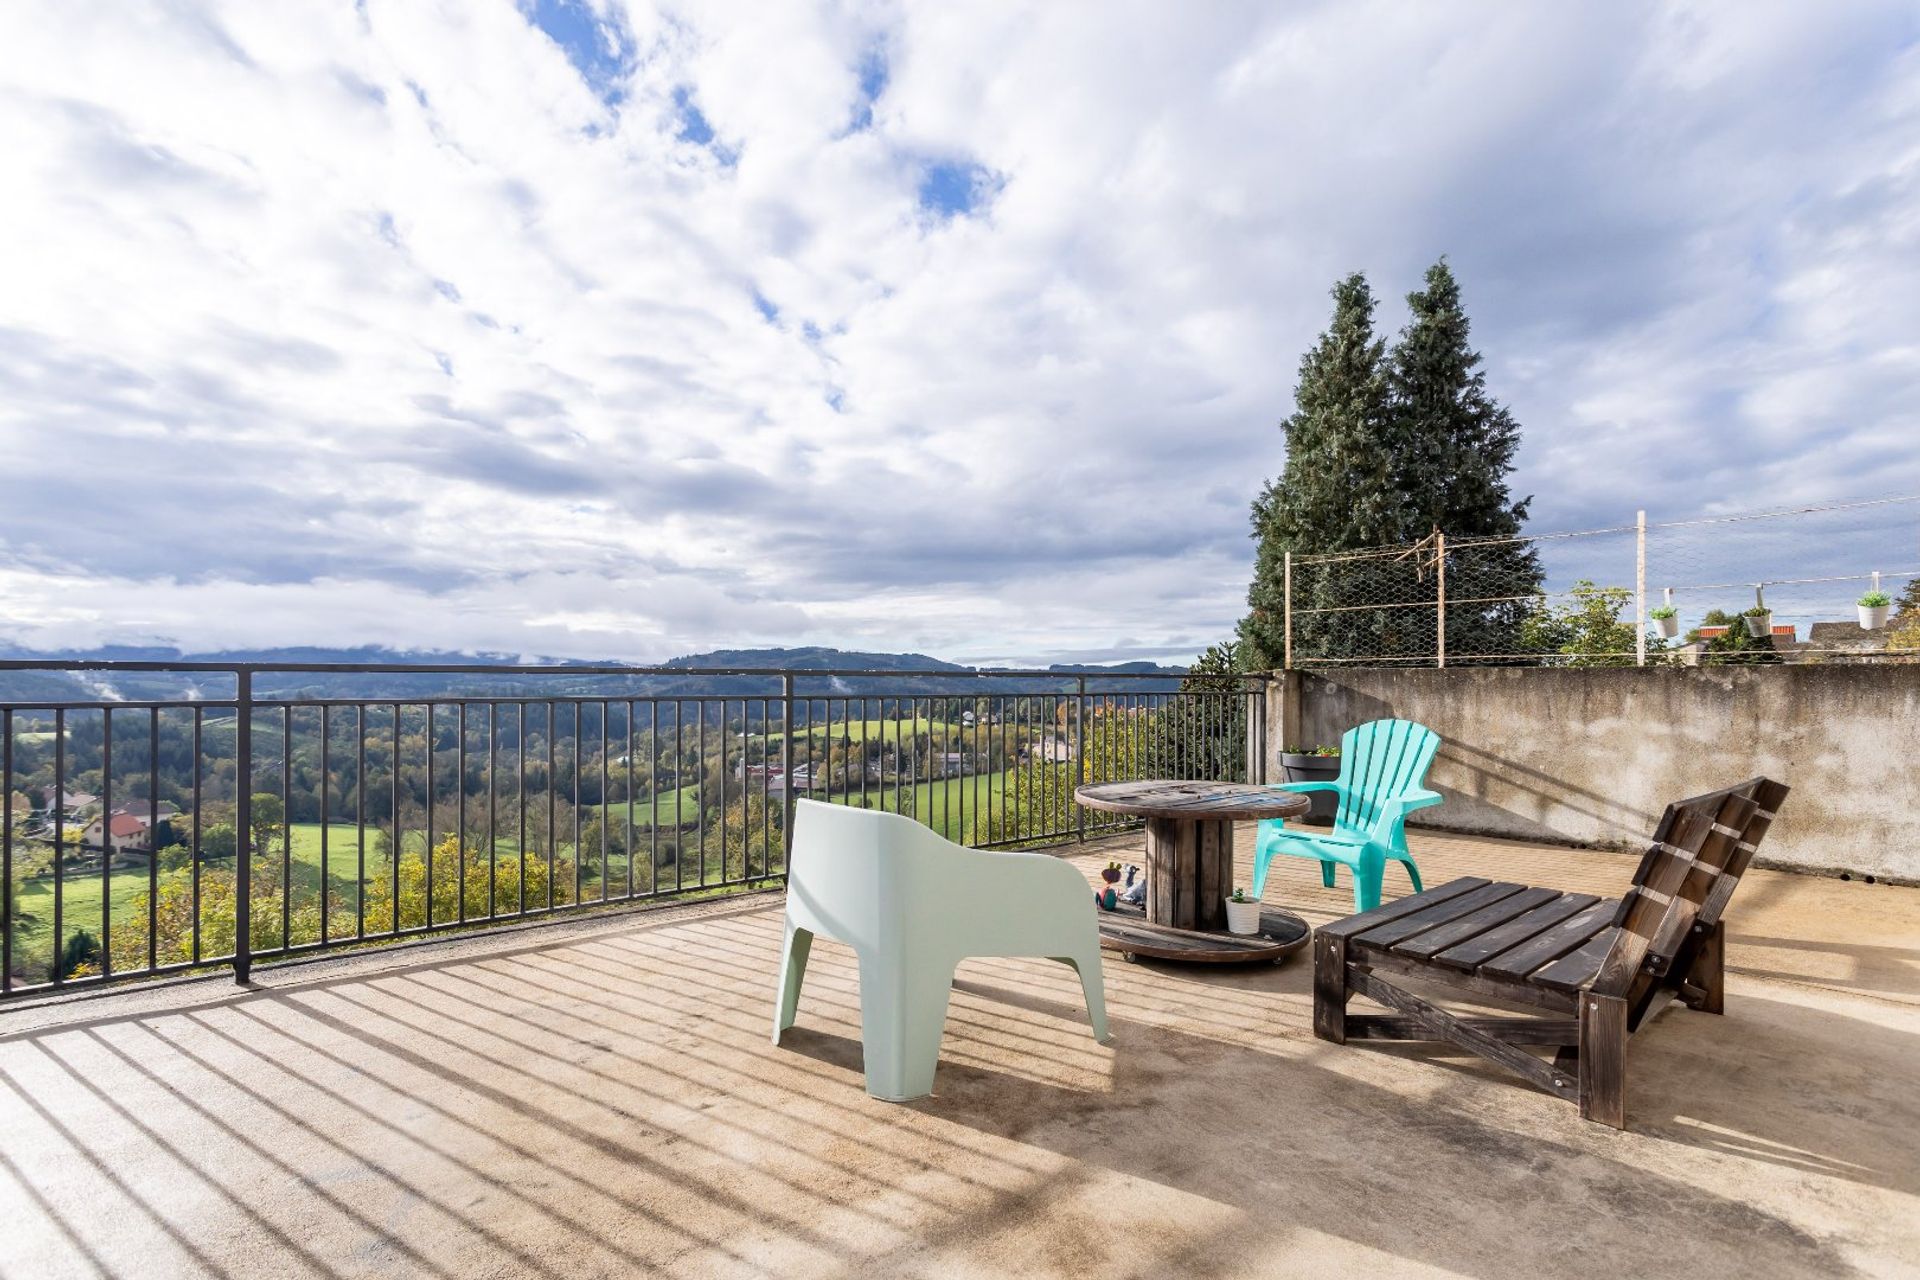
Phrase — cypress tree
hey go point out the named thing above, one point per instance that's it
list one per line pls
(1337, 489)
(1455, 447)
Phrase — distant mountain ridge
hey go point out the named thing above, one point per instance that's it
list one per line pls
(920, 674)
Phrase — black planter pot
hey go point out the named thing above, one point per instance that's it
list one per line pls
(1299, 768)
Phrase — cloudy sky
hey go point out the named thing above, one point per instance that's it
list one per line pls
(585, 328)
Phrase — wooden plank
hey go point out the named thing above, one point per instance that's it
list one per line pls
(1330, 987)
(1603, 1059)
(1423, 946)
(1159, 871)
(1281, 934)
(1476, 951)
(1432, 915)
(1553, 1031)
(1577, 968)
(1444, 1026)
(1215, 853)
(1470, 984)
(1402, 906)
(1515, 963)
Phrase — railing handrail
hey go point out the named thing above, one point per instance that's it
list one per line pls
(602, 669)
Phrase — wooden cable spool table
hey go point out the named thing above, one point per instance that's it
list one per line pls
(1190, 871)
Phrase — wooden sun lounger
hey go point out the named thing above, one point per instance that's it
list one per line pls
(1595, 969)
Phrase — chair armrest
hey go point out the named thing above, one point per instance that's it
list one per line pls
(1304, 787)
(1394, 811)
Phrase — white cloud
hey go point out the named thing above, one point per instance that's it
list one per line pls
(384, 324)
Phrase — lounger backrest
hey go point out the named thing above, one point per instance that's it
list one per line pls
(1699, 852)
(1379, 761)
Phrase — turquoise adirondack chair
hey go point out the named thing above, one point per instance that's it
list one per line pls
(1383, 766)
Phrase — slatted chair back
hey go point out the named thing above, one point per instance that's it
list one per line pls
(1379, 761)
(1700, 850)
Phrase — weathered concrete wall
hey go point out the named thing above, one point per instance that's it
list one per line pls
(1593, 756)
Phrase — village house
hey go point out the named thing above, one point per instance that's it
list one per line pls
(127, 827)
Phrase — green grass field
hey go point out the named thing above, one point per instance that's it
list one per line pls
(878, 730)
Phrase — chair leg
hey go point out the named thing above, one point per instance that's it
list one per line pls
(1708, 972)
(1603, 1059)
(794, 950)
(903, 1010)
(1262, 859)
(1330, 988)
(1413, 874)
(1326, 872)
(1368, 870)
(1093, 984)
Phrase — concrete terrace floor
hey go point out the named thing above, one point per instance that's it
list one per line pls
(600, 1098)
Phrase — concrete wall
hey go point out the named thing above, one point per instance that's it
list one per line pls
(1593, 756)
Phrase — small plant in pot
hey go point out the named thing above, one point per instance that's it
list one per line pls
(1667, 618)
(1243, 913)
(1873, 610)
(1313, 764)
(1759, 620)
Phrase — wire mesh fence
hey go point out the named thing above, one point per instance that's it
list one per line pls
(1805, 584)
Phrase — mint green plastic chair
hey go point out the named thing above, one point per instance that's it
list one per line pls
(912, 906)
(1383, 765)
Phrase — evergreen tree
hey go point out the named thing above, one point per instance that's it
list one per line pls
(1454, 447)
(1907, 603)
(1338, 489)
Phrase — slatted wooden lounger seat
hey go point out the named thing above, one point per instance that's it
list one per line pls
(1597, 969)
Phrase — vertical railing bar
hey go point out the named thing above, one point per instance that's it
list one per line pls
(786, 766)
(326, 820)
(579, 854)
(493, 815)
(460, 826)
(6, 850)
(360, 820)
(243, 823)
(700, 781)
(199, 726)
(680, 795)
(520, 804)
(59, 838)
(653, 796)
(746, 821)
(286, 826)
(426, 909)
(106, 842)
(604, 819)
(629, 797)
(393, 852)
(553, 800)
(153, 836)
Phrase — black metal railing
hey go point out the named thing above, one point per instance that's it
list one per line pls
(172, 816)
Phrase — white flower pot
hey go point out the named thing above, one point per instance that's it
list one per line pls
(1873, 616)
(1759, 627)
(1669, 627)
(1243, 917)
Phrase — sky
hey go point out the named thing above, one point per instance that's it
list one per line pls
(588, 328)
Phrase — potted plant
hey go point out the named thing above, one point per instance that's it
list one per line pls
(1243, 913)
(1667, 618)
(1314, 764)
(1873, 610)
(1759, 620)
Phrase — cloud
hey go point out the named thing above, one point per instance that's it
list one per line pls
(591, 328)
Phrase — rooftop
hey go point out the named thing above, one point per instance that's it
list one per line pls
(599, 1097)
